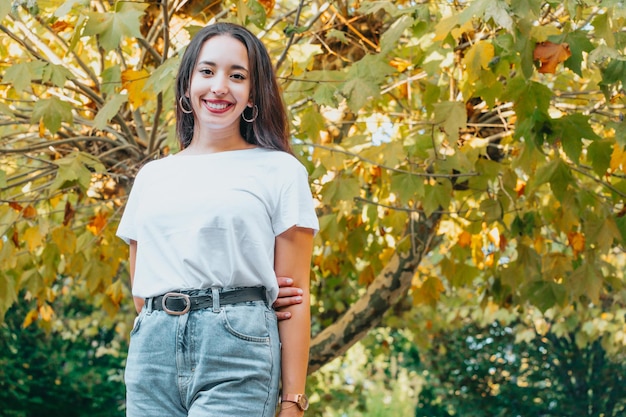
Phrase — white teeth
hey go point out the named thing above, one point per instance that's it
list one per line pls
(217, 106)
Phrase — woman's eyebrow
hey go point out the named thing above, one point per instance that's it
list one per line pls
(213, 64)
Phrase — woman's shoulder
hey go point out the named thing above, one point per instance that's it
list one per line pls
(155, 166)
(281, 159)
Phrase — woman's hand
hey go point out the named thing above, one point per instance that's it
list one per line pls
(287, 296)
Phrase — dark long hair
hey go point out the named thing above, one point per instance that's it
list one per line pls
(271, 128)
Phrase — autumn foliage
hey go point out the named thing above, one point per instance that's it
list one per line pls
(500, 124)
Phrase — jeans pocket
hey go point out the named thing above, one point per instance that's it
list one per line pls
(138, 321)
(247, 322)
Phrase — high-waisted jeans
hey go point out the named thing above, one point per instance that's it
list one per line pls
(216, 362)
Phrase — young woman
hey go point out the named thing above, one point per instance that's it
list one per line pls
(210, 228)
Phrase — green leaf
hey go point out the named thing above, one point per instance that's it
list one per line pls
(66, 7)
(407, 187)
(21, 74)
(620, 222)
(544, 294)
(78, 32)
(4, 109)
(602, 233)
(458, 273)
(620, 132)
(586, 281)
(111, 27)
(498, 11)
(329, 227)
(251, 11)
(475, 8)
(8, 293)
(372, 7)
(528, 97)
(603, 28)
(53, 112)
(325, 94)
(437, 197)
(615, 71)
(364, 80)
(526, 7)
(557, 173)
(599, 154)
(389, 39)
(109, 110)
(492, 210)
(164, 76)
(571, 130)
(5, 8)
(76, 169)
(311, 123)
(111, 80)
(342, 188)
(56, 74)
(337, 34)
(579, 43)
(452, 116)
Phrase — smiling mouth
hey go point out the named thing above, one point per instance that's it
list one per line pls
(217, 106)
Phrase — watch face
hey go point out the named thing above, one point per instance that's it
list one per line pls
(303, 402)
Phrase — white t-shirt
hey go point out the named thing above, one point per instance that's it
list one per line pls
(211, 220)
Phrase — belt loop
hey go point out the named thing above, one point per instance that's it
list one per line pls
(216, 300)
(148, 303)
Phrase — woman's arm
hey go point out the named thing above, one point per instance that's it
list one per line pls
(293, 259)
(132, 259)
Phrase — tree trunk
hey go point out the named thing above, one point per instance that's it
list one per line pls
(391, 285)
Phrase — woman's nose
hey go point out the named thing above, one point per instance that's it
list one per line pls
(219, 85)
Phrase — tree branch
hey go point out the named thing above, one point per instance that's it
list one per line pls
(391, 285)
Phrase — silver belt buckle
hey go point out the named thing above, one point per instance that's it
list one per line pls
(178, 295)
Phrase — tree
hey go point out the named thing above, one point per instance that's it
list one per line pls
(451, 145)
(486, 372)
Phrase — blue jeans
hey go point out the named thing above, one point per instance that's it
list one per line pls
(216, 362)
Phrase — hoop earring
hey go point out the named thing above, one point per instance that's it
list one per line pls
(182, 108)
(255, 114)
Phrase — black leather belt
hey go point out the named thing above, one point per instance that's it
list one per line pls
(179, 303)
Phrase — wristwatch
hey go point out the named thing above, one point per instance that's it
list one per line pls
(300, 399)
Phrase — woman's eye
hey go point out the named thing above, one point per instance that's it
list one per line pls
(206, 71)
(239, 76)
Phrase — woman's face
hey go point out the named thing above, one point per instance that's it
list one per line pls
(219, 89)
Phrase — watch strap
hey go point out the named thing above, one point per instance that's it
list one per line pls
(299, 399)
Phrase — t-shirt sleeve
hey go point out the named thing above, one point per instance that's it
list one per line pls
(127, 230)
(295, 203)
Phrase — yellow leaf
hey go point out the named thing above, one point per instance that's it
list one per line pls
(97, 223)
(33, 238)
(30, 318)
(465, 239)
(367, 276)
(42, 128)
(478, 57)
(65, 239)
(134, 83)
(618, 158)
(467, 27)
(429, 292)
(445, 26)
(386, 254)
(46, 312)
(115, 292)
(577, 242)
